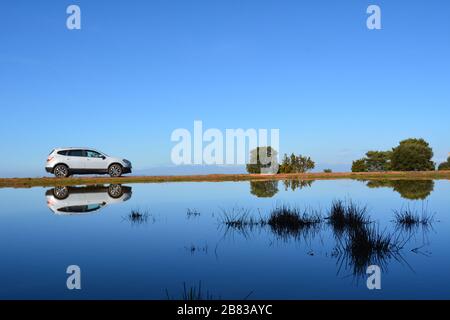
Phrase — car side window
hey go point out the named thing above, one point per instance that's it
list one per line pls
(76, 153)
(93, 154)
(62, 153)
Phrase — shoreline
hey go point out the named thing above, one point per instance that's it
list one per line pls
(80, 180)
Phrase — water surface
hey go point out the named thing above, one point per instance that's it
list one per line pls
(180, 243)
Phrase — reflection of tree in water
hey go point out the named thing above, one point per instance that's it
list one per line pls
(297, 184)
(264, 189)
(408, 189)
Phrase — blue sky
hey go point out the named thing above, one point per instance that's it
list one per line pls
(137, 70)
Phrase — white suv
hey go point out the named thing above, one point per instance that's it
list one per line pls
(63, 162)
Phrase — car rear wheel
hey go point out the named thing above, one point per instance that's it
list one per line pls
(61, 171)
(115, 191)
(115, 170)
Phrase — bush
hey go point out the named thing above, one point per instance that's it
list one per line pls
(327, 171)
(445, 165)
(296, 164)
(359, 166)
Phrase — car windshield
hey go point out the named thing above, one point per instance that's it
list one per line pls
(101, 153)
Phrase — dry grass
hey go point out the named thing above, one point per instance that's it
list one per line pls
(49, 181)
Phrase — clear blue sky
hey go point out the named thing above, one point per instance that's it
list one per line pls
(140, 69)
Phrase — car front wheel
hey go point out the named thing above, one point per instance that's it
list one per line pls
(115, 170)
(61, 171)
(61, 193)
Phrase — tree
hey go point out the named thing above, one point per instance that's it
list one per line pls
(378, 161)
(412, 155)
(359, 166)
(262, 158)
(445, 165)
(374, 161)
(296, 164)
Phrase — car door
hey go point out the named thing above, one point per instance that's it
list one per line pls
(76, 160)
(95, 161)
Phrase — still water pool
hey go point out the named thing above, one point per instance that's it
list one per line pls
(161, 241)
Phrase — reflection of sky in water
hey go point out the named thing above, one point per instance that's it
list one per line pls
(123, 260)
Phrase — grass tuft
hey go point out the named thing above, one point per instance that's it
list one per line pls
(137, 217)
(287, 220)
(190, 213)
(410, 218)
(347, 216)
(239, 218)
(192, 293)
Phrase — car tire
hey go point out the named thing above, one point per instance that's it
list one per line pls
(115, 170)
(61, 171)
(115, 191)
(61, 193)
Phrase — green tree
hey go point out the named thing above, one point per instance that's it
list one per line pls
(262, 157)
(412, 155)
(359, 166)
(296, 164)
(378, 161)
(264, 189)
(374, 161)
(445, 165)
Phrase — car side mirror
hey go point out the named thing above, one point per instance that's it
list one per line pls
(103, 157)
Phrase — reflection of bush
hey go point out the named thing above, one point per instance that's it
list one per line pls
(417, 190)
(297, 184)
(412, 190)
(264, 189)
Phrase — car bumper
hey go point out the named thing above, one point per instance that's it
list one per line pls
(126, 170)
(49, 170)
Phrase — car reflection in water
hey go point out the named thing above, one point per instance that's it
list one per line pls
(86, 199)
